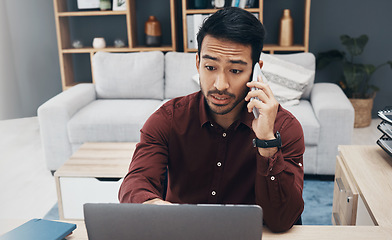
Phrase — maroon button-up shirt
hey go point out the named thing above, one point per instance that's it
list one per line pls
(208, 164)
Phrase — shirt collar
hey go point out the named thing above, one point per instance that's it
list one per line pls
(245, 118)
(203, 114)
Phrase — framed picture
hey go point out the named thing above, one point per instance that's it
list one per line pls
(119, 5)
(88, 4)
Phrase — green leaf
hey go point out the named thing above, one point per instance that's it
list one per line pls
(355, 76)
(354, 46)
(325, 58)
(369, 69)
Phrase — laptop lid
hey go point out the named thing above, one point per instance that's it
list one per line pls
(146, 221)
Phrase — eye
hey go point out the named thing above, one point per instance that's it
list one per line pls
(210, 68)
(236, 71)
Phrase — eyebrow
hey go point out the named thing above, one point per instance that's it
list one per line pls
(231, 61)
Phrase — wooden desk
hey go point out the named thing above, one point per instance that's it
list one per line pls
(300, 233)
(365, 172)
(296, 233)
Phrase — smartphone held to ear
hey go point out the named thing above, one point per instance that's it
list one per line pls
(256, 72)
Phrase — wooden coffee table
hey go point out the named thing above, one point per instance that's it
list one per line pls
(93, 174)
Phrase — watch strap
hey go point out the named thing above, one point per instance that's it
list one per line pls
(277, 142)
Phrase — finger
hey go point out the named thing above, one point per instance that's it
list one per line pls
(257, 94)
(262, 86)
(255, 103)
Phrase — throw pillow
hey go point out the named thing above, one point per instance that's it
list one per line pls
(129, 75)
(179, 69)
(287, 80)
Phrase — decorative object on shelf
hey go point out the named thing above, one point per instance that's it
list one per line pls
(218, 3)
(119, 5)
(119, 43)
(99, 43)
(200, 4)
(77, 44)
(355, 80)
(105, 4)
(152, 29)
(88, 4)
(286, 32)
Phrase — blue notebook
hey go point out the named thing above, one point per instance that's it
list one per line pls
(40, 229)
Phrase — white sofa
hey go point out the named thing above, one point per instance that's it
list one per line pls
(130, 86)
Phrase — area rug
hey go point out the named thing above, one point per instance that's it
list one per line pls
(317, 196)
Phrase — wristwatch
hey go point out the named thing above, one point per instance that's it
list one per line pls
(277, 142)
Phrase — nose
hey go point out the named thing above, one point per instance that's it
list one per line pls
(221, 82)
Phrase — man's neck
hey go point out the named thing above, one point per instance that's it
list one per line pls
(227, 119)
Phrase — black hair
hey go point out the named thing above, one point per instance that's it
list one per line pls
(235, 25)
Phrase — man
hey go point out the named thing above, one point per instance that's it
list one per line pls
(205, 140)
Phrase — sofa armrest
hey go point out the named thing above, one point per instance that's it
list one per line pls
(53, 117)
(336, 117)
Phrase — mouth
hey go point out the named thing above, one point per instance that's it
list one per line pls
(220, 100)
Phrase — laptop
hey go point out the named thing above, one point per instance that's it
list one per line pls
(122, 221)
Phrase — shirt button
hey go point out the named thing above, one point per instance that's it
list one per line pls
(270, 169)
(212, 125)
(300, 164)
(224, 134)
(213, 193)
(219, 164)
(272, 178)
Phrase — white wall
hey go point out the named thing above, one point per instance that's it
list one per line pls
(29, 71)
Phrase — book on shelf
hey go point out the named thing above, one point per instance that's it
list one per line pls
(235, 3)
(241, 3)
(194, 22)
(250, 4)
(190, 32)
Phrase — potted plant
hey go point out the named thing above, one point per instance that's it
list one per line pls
(356, 77)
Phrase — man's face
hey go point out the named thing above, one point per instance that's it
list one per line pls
(225, 68)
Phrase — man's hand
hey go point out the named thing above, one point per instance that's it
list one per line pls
(267, 105)
(157, 201)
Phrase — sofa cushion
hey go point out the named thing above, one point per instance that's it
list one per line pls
(310, 125)
(111, 120)
(287, 80)
(129, 75)
(179, 70)
(306, 60)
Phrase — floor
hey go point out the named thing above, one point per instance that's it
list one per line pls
(27, 188)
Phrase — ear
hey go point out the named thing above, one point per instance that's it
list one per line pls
(261, 64)
(197, 62)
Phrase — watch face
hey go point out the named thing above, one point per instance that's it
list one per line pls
(219, 3)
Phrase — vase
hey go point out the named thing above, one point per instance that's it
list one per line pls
(286, 32)
(152, 29)
(363, 111)
(99, 43)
